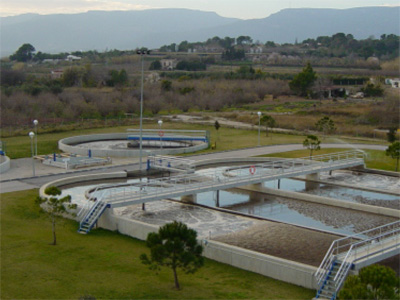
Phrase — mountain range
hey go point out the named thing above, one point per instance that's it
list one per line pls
(102, 30)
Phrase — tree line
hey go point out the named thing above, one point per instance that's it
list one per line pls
(339, 45)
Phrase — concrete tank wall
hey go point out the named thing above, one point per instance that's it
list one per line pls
(68, 145)
(81, 179)
(274, 267)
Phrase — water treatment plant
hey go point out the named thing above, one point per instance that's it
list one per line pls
(310, 222)
(163, 142)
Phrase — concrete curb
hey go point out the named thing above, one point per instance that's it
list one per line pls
(5, 165)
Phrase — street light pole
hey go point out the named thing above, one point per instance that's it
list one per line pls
(160, 123)
(32, 135)
(141, 53)
(35, 123)
(259, 124)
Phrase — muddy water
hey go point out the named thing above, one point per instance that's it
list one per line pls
(265, 236)
(363, 180)
(317, 216)
(342, 193)
(320, 217)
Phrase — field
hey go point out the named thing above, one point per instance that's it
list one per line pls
(225, 138)
(106, 265)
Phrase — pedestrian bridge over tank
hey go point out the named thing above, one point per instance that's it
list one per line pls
(353, 253)
(219, 179)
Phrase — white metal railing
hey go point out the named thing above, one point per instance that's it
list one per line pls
(184, 183)
(171, 162)
(170, 133)
(368, 247)
(369, 242)
(87, 208)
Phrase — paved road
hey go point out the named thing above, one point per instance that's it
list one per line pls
(19, 177)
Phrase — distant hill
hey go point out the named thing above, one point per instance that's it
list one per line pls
(101, 30)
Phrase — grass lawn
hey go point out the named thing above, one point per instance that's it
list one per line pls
(375, 159)
(106, 265)
(226, 138)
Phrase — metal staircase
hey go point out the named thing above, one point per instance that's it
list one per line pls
(328, 288)
(92, 215)
(354, 252)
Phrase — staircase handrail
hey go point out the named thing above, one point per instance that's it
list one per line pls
(158, 160)
(95, 204)
(357, 245)
(86, 206)
(323, 269)
(235, 175)
(341, 243)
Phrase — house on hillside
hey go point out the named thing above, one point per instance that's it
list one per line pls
(168, 64)
(256, 50)
(73, 58)
(394, 82)
(53, 61)
(57, 74)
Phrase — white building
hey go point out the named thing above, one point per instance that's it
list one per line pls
(395, 82)
(168, 64)
(73, 58)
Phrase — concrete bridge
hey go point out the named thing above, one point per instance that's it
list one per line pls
(188, 186)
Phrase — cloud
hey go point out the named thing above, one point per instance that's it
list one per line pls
(390, 5)
(16, 7)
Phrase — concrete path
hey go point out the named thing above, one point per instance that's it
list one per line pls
(20, 176)
(280, 148)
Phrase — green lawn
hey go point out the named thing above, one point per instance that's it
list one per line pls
(226, 138)
(375, 159)
(105, 265)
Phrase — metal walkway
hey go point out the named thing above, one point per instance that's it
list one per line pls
(220, 179)
(170, 163)
(354, 252)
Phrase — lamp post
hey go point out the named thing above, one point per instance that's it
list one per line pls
(160, 133)
(141, 53)
(35, 123)
(259, 124)
(32, 135)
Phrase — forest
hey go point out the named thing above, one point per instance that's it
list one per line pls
(106, 85)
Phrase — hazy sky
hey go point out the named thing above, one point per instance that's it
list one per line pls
(243, 9)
